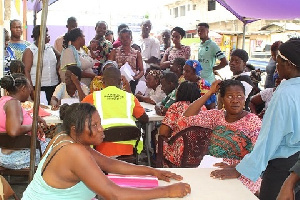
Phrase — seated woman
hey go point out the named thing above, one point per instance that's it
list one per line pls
(176, 51)
(234, 130)
(70, 91)
(71, 169)
(191, 72)
(263, 98)
(97, 83)
(154, 94)
(15, 120)
(126, 53)
(169, 84)
(187, 93)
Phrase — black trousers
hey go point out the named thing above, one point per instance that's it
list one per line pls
(133, 85)
(274, 176)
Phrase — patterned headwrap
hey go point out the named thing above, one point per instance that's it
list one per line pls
(155, 73)
(195, 64)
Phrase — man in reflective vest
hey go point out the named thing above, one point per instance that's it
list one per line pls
(116, 108)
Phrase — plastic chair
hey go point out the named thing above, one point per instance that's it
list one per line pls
(16, 143)
(124, 133)
(196, 141)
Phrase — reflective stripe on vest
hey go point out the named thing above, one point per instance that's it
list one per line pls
(108, 122)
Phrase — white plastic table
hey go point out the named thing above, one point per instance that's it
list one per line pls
(206, 188)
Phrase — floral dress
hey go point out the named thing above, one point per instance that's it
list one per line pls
(173, 153)
(183, 52)
(122, 58)
(230, 141)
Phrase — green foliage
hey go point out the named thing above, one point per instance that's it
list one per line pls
(189, 41)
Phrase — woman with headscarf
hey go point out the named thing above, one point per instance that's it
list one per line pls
(153, 94)
(176, 51)
(278, 145)
(191, 72)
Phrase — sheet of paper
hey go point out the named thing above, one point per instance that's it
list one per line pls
(209, 161)
(127, 72)
(69, 101)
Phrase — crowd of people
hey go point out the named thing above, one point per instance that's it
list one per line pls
(101, 84)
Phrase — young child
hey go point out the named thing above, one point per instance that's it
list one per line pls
(94, 53)
(177, 68)
(16, 66)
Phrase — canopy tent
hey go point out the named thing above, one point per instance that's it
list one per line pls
(250, 11)
(36, 6)
(263, 9)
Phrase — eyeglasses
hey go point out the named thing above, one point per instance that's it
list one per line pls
(238, 97)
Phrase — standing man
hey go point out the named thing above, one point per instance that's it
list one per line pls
(71, 23)
(166, 38)
(208, 52)
(149, 45)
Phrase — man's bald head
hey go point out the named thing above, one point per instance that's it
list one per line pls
(112, 76)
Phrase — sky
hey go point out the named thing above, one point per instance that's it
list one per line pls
(91, 11)
(88, 12)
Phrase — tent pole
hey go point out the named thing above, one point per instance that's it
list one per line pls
(244, 33)
(41, 45)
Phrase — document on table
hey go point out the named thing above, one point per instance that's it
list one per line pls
(209, 161)
(69, 101)
(127, 72)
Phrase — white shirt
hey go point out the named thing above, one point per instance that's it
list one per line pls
(150, 47)
(266, 96)
(155, 95)
(49, 75)
(61, 91)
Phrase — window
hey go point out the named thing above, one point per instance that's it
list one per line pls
(170, 11)
(194, 7)
(189, 7)
(176, 12)
(211, 5)
(182, 10)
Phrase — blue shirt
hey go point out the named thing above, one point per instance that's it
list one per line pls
(280, 132)
(208, 52)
